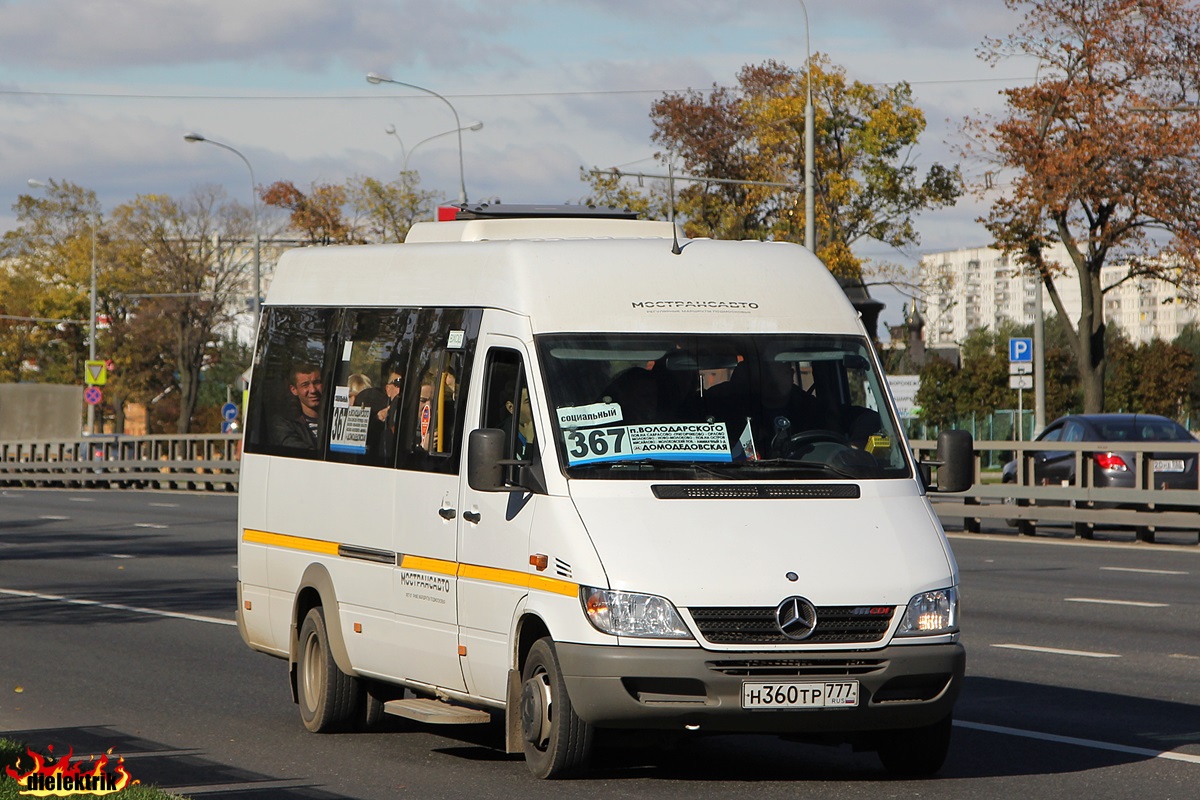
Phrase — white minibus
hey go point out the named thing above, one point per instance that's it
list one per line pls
(565, 470)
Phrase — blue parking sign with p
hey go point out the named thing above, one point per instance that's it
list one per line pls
(1020, 350)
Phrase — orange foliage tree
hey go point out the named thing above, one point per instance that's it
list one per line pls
(1099, 156)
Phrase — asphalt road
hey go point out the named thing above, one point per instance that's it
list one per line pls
(116, 632)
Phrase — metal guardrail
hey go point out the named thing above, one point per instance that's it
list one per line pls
(211, 462)
(1081, 505)
(181, 461)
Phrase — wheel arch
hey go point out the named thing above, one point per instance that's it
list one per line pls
(316, 589)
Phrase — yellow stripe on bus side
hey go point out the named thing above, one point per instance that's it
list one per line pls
(424, 564)
(513, 578)
(290, 542)
(421, 563)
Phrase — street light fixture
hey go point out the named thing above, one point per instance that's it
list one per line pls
(92, 218)
(195, 137)
(408, 153)
(376, 79)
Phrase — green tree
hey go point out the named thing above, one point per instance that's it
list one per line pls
(938, 397)
(1189, 340)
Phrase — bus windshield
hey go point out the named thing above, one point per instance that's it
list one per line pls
(738, 406)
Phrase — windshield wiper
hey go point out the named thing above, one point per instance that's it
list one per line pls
(809, 466)
(650, 464)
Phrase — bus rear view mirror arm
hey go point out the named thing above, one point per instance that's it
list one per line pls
(487, 466)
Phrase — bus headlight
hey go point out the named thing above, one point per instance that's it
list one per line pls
(931, 613)
(632, 614)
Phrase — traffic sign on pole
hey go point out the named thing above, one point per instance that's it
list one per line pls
(1020, 349)
(93, 395)
(95, 373)
(229, 412)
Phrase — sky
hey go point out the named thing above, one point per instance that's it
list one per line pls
(101, 92)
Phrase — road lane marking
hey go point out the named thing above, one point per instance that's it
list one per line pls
(116, 607)
(153, 525)
(81, 499)
(1092, 743)
(53, 516)
(236, 787)
(164, 505)
(1056, 651)
(1097, 600)
(1147, 571)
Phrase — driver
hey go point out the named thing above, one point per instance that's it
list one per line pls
(785, 409)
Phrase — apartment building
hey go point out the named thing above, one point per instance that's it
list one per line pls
(979, 287)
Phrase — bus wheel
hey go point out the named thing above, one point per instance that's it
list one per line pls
(329, 698)
(916, 752)
(556, 741)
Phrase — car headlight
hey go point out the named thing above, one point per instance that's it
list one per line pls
(632, 614)
(931, 613)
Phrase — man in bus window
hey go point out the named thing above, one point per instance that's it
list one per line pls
(525, 433)
(301, 430)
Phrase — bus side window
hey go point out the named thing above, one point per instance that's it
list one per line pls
(434, 403)
(372, 370)
(506, 403)
(288, 409)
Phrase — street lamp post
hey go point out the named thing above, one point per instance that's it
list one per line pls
(94, 222)
(375, 79)
(810, 223)
(408, 153)
(195, 137)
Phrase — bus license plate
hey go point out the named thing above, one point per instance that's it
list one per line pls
(833, 694)
(1168, 465)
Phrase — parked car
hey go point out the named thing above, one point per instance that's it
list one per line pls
(1115, 468)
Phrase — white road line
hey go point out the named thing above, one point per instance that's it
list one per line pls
(81, 499)
(116, 607)
(153, 525)
(235, 787)
(52, 516)
(1092, 743)
(164, 505)
(1147, 571)
(1097, 600)
(1056, 651)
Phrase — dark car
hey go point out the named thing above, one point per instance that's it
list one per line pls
(1115, 468)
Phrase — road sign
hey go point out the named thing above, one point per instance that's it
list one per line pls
(93, 395)
(1020, 349)
(229, 412)
(1020, 368)
(95, 373)
(1020, 381)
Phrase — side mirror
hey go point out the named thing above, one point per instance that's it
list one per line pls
(956, 454)
(485, 451)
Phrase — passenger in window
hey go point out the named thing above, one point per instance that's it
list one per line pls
(389, 413)
(356, 383)
(301, 430)
(526, 435)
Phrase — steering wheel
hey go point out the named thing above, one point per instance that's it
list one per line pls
(799, 440)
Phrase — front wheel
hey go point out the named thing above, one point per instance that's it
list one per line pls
(556, 741)
(916, 752)
(330, 700)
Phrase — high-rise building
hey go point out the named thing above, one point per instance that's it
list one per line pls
(980, 287)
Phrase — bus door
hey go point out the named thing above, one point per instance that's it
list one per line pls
(494, 527)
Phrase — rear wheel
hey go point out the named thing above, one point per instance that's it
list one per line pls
(330, 700)
(556, 741)
(916, 752)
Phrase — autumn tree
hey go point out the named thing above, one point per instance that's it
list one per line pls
(45, 284)
(191, 285)
(319, 215)
(1099, 162)
(866, 183)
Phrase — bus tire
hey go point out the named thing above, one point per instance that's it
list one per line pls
(555, 740)
(330, 700)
